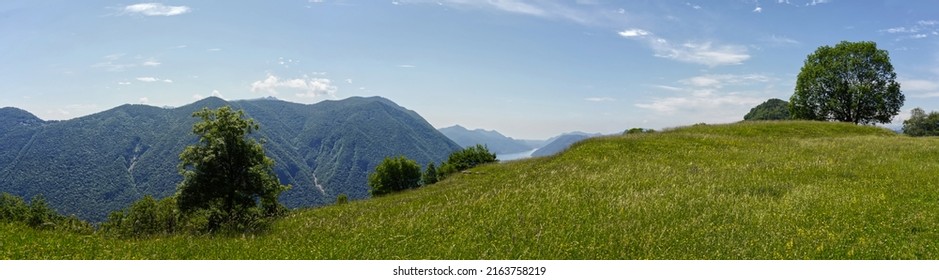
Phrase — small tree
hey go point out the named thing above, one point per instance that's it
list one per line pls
(772, 109)
(921, 124)
(430, 175)
(394, 174)
(850, 82)
(40, 214)
(227, 173)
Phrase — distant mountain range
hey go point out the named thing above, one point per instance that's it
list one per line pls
(500, 144)
(495, 141)
(560, 143)
(92, 165)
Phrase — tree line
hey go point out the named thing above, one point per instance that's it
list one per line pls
(399, 173)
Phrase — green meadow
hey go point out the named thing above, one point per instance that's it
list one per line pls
(757, 190)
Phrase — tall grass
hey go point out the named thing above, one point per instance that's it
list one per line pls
(773, 190)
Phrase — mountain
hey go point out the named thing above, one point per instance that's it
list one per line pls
(495, 141)
(92, 165)
(749, 190)
(560, 143)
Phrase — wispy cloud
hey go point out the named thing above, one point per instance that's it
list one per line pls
(920, 88)
(587, 12)
(154, 79)
(707, 95)
(117, 63)
(758, 9)
(919, 30)
(155, 9)
(600, 99)
(305, 87)
(406, 66)
(706, 53)
(781, 40)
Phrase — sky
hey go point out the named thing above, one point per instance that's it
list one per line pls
(530, 69)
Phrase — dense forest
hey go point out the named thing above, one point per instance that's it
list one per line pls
(92, 165)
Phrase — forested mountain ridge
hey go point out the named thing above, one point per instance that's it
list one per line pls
(102, 162)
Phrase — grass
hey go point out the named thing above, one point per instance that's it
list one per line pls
(765, 190)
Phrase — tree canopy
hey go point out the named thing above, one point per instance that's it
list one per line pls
(850, 82)
(921, 124)
(395, 174)
(226, 172)
(772, 109)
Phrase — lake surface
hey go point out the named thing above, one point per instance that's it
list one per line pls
(515, 156)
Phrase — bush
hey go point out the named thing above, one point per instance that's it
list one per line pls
(470, 157)
(342, 199)
(394, 174)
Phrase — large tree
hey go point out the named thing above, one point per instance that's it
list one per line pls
(227, 172)
(850, 82)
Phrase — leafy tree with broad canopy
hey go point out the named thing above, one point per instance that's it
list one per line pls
(850, 82)
(227, 173)
(395, 174)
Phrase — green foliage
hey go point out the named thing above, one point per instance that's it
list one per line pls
(468, 158)
(145, 217)
(227, 173)
(395, 174)
(772, 110)
(637, 130)
(921, 124)
(430, 175)
(342, 199)
(750, 190)
(38, 215)
(850, 82)
(93, 165)
(13, 208)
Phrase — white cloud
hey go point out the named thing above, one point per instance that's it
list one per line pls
(153, 79)
(117, 63)
(549, 9)
(144, 100)
(920, 88)
(600, 99)
(156, 9)
(781, 40)
(406, 66)
(706, 53)
(672, 105)
(817, 2)
(214, 49)
(217, 94)
(304, 87)
(123, 83)
(719, 81)
(635, 32)
(349, 81)
(758, 9)
(921, 29)
(707, 97)
(151, 62)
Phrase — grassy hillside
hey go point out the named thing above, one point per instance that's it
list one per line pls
(777, 190)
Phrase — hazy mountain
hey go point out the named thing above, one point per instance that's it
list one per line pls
(495, 141)
(560, 143)
(92, 165)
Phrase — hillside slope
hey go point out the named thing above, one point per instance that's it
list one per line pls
(762, 190)
(92, 165)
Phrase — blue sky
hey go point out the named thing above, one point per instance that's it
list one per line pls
(529, 69)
